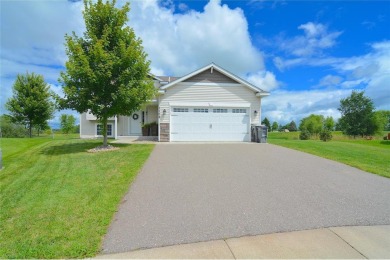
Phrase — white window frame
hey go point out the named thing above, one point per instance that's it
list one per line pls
(108, 124)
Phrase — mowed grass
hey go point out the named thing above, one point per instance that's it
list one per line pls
(56, 199)
(368, 155)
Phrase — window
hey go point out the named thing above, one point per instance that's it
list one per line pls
(201, 110)
(239, 110)
(220, 110)
(180, 109)
(99, 129)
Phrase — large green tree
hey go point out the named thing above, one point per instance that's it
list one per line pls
(67, 123)
(31, 103)
(107, 70)
(357, 115)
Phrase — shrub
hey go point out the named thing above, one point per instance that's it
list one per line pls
(9, 129)
(304, 135)
(326, 135)
(385, 137)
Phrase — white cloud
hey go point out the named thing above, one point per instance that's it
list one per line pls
(180, 43)
(264, 79)
(330, 80)
(284, 106)
(316, 38)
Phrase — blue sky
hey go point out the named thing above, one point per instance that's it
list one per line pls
(308, 54)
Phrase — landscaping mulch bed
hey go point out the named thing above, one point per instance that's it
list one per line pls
(102, 148)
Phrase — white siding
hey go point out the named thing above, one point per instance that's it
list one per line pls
(227, 93)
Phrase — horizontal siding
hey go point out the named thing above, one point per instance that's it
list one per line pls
(207, 76)
(209, 93)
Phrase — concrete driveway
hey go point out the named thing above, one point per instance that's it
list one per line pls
(199, 192)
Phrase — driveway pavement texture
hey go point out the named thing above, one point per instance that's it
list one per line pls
(190, 193)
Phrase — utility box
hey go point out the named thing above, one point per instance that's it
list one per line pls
(259, 133)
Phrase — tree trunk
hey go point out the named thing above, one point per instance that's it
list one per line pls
(30, 129)
(104, 122)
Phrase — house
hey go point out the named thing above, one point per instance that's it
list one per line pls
(209, 104)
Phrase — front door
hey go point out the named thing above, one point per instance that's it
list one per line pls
(135, 123)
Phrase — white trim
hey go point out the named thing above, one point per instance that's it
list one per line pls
(116, 128)
(209, 84)
(208, 104)
(219, 69)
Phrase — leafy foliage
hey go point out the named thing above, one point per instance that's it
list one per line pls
(10, 129)
(292, 126)
(275, 126)
(31, 103)
(67, 123)
(313, 124)
(304, 135)
(326, 135)
(267, 123)
(357, 116)
(329, 123)
(107, 70)
(383, 119)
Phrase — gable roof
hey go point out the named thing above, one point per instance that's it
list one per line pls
(230, 75)
(154, 77)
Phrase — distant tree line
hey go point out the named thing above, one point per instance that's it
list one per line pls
(358, 118)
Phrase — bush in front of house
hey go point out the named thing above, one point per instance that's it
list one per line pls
(304, 135)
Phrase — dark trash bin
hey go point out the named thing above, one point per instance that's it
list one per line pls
(259, 133)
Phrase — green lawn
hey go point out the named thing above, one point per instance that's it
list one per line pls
(56, 199)
(368, 155)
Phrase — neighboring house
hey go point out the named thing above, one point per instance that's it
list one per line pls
(210, 104)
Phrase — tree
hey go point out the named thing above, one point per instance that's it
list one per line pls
(107, 71)
(31, 103)
(357, 116)
(292, 127)
(267, 123)
(313, 124)
(67, 123)
(275, 126)
(383, 118)
(329, 123)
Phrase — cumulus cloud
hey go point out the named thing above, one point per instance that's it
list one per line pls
(315, 39)
(283, 106)
(264, 79)
(180, 43)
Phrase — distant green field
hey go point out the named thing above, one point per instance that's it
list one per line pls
(56, 199)
(368, 155)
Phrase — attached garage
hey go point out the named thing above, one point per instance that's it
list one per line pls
(208, 105)
(210, 123)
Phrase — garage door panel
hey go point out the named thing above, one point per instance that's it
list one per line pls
(211, 126)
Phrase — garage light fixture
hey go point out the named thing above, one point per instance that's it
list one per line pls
(255, 112)
(164, 111)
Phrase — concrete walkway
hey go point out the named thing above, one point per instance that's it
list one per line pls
(357, 242)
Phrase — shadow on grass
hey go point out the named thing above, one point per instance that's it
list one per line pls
(385, 142)
(73, 148)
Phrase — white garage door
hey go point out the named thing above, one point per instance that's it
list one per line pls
(209, 124)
